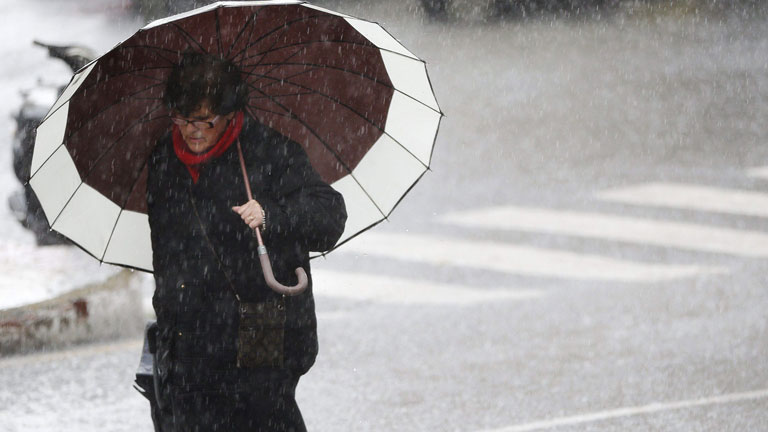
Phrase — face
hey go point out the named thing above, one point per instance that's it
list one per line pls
(199, 140)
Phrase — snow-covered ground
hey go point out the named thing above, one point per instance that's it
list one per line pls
(29, 274)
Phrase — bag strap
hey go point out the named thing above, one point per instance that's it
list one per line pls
(210, 245)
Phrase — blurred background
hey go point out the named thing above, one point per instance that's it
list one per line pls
(588, 251)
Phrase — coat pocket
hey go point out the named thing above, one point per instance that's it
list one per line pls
(261, 334)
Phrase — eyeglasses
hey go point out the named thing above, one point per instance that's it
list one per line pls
(199, 124)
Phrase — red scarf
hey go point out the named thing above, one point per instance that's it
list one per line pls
(193, 160)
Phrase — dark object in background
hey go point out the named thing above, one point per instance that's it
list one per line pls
(145, 383)
(147, 378)
(34, 106)
(155, 9)
(435, 8)
(439, 9)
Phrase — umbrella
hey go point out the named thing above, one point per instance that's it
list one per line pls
(359, 103)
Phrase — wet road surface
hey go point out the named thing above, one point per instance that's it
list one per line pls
(588, 252)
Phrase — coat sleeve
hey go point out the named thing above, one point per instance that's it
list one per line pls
(302, 208)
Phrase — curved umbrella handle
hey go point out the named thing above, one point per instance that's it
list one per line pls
(266, 266)
(276, 286)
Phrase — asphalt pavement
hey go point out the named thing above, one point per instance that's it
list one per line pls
(587, 253)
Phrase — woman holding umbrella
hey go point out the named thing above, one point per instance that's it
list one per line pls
(230, 349)
(132, 188)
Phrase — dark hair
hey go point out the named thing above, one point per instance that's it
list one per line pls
(202, 77)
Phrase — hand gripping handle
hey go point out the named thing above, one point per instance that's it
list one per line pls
(266, 265)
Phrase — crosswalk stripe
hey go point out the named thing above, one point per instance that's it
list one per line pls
(693, 197)
(758, 172)
(356, 286)
(687, 236)
(517, 259)
(651, 408)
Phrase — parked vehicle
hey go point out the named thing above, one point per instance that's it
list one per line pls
(34, 106)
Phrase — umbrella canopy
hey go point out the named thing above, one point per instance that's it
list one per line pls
(359, 103)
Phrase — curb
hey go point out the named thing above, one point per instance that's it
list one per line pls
(110, 309)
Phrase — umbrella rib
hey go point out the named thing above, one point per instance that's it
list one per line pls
(352, 110)
(338, 158)
(131, 73)
(143, 119)
(266, 74)
(106, 108)
(281, 114)
(251, 19)
(149, 77)
(111, 233)
(385, 216)
(161, 53)
(321, 66)
(284, 27)
(274, 83)
(373, 201)
(151, 48)
(375, 204)
(305, 43)
(370, 44)
(317, 66)
(74, 132)
(248, 43)
(293, 116)
(122, 208)
(280, 95)
(218, 31)
(189, 37)
(380, 220)
(82, 182)
(439, 120)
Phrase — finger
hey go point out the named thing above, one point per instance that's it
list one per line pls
(243, 208)
(255, 224)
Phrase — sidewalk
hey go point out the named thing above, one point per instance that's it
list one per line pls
(55, 296)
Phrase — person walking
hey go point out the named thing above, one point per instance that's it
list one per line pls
(230, 350)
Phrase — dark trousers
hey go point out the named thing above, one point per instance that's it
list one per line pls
(263, 403)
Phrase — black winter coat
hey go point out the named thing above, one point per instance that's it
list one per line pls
(202, 250)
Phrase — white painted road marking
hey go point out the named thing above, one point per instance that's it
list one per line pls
(758, 172)
(687, 236)
(693, 197)
(515, 259)
(633, 411)
(386, 289)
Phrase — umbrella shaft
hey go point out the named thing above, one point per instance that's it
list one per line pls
(248, 191)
